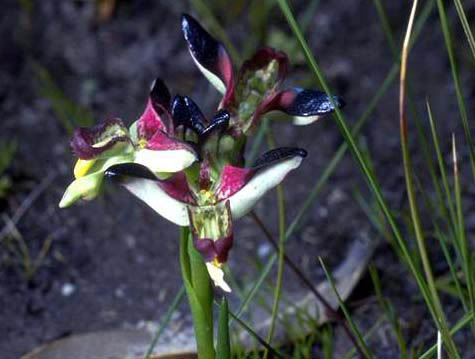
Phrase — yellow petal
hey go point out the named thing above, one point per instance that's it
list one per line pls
(82, 167)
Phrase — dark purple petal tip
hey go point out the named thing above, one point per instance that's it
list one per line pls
(210, 54)
(278, 154)
(160, 96)
(85, 139)
(219, 124)
(204, 47)
(185, 112)
(119, 171)
(310, 103)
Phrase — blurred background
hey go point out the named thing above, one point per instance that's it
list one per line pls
(112, 262)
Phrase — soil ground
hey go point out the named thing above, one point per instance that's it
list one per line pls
(111, 262)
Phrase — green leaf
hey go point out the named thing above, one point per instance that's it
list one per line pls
(223, 347)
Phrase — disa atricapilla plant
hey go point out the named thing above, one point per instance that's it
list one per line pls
(188, 167)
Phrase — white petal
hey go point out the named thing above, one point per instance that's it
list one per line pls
(217, 275)
(305, 120)
(267, 178)
(155, 197)
(165, 161)
(214, 79)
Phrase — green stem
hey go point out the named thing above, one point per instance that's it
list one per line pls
(200, 295)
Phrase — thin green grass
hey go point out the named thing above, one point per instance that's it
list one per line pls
(373, 184)
(456, 79)
(359, 337)
(466, 27)
(163, 325)
(281, 251)
(69, 114)
(432, 296)
(389, 313)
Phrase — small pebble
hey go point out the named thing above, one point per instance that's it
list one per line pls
(67, 289)
(264, 250)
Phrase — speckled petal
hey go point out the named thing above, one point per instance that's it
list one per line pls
(261, 60)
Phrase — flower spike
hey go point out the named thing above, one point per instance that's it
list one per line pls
(209, 55)
(187, 167)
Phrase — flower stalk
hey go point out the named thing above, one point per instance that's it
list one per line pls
(200, 294)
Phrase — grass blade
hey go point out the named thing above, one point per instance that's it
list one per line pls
(374, 186)
(281, 252)
(176, 301)
(466, 256)
(353, 326)
(466, 26)
(456, 78)
(467, 319)
(434, 302)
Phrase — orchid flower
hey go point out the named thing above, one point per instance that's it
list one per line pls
(149, 142)
(211, 193)
(256, 91)
(190, 168)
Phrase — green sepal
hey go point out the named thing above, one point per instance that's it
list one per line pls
(252, 88)
(223, 346)
(89, 186)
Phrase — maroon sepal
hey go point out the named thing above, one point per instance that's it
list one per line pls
(84, 139)
(222, 247)
(234, 178)
(160, 141)
(211, 250)
(177, 187)
(158, 108)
